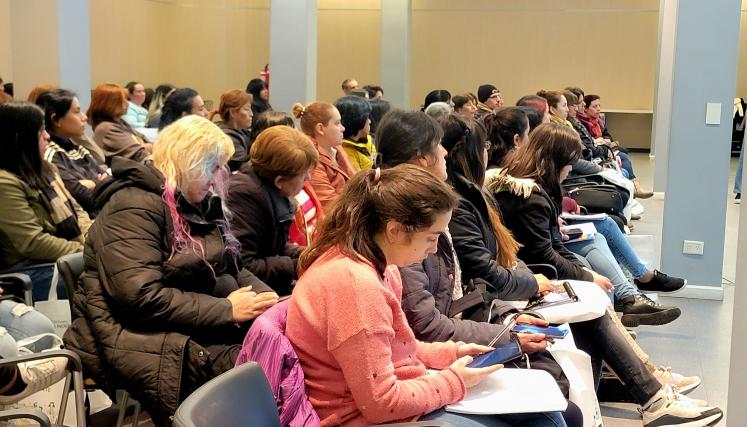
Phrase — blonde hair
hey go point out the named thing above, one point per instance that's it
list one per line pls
(282, 151)
(187, 150)
(309, 116)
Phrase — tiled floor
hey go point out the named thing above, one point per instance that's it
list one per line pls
(698, 342)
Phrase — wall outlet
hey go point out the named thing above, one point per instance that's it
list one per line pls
(692, 247)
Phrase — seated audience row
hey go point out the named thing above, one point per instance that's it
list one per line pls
(385, 231)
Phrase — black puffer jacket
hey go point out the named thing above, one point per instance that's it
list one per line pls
(262, 217)
(137, 305)
(477, 249)
(532, 217)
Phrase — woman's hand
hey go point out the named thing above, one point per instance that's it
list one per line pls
(602, 281)
(247, 305)
(525, 319)
(88, 184)
(472, 349)
(532, 343)
(544, 284)
(471, 376)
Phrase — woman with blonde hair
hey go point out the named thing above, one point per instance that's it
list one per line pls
(235, 111)
(163, 303)
(321, 122)
(260, 197)
(115, 137)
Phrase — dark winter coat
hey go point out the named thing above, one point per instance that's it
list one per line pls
(262, 217)
(477, 248)
(137, 304)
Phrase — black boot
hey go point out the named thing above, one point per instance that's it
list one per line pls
(639, 309)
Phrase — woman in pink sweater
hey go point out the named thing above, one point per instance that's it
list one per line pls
(361, 361)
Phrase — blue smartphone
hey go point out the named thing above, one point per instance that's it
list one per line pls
(550, 331)
(502, 354)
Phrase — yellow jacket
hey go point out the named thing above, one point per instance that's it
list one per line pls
(360, 154)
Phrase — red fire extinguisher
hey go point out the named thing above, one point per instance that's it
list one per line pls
(266, 75)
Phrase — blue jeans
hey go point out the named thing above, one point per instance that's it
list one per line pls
(738, 178)
(41, 279)
(19, 323)
(598, 254)
(618, 245)
(544, 419)
(626, 164)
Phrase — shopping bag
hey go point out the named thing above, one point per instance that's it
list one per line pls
(577, 368)
(58, 311)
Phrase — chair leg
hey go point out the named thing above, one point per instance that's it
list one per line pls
(136, 417)
(80, 398)
(63, 402)
(122, 408)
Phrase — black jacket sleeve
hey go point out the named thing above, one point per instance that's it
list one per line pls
(252, 225)
(477, 262)
(429, 324)
(533, 229)
(82, 194)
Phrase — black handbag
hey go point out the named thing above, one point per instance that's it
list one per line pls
(599, 199)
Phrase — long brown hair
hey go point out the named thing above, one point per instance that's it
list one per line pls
(405, 194)
(551, 147)
(464, 139)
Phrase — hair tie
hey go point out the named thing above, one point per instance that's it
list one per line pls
(303, 111)
(377, 175)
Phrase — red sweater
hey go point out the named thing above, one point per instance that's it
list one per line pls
(360, 358)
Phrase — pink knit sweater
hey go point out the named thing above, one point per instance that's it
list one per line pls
(360, 358)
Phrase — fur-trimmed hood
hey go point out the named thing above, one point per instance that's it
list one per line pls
(497, 181)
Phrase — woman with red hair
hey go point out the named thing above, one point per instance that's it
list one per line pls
(235, 111)
(110, 132)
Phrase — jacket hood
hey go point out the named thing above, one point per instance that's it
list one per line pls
(497, 181)
(129, 173)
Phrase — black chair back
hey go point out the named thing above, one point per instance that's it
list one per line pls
(239, 397)
(70, 268)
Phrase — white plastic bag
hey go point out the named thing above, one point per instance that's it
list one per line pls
(58, 311)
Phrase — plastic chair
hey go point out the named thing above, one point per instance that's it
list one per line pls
(548, 270)
(73, 382)
(20, 414)
(70, 267)
(17, 284)
(239, 397)
(242, 397)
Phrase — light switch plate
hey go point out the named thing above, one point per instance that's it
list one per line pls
(713, 113)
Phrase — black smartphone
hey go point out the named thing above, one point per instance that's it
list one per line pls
(502, 354)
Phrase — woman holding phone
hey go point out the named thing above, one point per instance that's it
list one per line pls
(370, 368)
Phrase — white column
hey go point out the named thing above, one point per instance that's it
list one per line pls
(293, 38)
(75, 48)
(396, 17)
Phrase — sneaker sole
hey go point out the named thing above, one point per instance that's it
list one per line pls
(658, 291)
(652, 319)
(705, 420)
(689, 388)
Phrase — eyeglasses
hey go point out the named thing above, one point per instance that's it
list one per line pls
(487, 145)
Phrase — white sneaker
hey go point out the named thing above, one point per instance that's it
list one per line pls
(684, 384)
(672, 409)
(38, 375)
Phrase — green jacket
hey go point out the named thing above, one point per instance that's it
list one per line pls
(26, 228)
